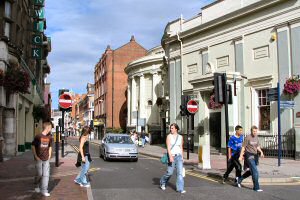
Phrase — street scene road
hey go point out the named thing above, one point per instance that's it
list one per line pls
(122, 180)
(203, 97)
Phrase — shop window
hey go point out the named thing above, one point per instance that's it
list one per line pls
(263, 109)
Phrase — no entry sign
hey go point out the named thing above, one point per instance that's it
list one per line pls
(65, 101)
(192, 106)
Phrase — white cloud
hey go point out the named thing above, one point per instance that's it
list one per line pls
(81, 29)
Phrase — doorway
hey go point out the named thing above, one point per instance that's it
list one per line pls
(215, 129)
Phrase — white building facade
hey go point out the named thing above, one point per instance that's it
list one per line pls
(145, 94)
(256, 44)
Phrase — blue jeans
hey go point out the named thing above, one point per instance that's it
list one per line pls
(178, 163)
(253, 171)
(81, 178)
(143, 142)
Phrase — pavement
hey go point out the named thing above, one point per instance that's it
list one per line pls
(270, 172)
(16, 178)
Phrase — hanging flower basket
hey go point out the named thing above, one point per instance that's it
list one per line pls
(292, 86)
(39, 113)
(212, 103)
(1, 77)
(16, 80)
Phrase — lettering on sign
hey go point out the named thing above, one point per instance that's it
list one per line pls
(38, 26)
(37, 39)
(36, 53)
(38, 2)
(40, 13)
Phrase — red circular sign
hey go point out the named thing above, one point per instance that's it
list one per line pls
(192, 106)
(65, 101)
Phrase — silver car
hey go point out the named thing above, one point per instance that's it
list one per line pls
(118, 146)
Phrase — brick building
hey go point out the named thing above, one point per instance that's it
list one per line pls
(111, 85)
(24, 48)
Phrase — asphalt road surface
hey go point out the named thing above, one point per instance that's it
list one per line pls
(124, 180)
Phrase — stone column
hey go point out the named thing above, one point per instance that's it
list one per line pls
(133, 101)
(21, 132)
(9, 132)
(129, 102)
(155, 93)
(142, 110)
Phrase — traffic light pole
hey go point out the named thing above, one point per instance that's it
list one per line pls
(226, 116)
(188, 137)
(62, 134)
(57, 146)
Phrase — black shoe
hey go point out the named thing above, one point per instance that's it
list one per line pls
(238, 183)
(224, 180)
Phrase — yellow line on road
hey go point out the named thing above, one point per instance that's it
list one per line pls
(188, 172)
(94, 143)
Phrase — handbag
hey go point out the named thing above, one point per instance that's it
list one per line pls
(165, 158)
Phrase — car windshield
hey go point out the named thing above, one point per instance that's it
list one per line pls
(119, 140)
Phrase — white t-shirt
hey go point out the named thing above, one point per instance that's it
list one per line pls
(177, 147)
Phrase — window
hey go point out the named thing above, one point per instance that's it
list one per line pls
(7, 9)
(263, 109)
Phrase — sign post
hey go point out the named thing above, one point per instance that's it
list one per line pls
(65, 102)
(192, 107)
(279, 124)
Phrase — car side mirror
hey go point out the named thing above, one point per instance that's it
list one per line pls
(103, 141)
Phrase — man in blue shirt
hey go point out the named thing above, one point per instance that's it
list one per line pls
(234, 149)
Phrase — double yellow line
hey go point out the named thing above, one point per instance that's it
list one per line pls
(191, 173)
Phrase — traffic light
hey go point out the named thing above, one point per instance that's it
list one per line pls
(229, 94)
(60, 123)
(183, 106)
(219, 84)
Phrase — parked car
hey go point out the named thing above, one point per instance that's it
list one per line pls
(118, 146)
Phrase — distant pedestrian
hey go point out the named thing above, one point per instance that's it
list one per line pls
(42, 148)
(84, 151)
(143, 135)
(234, 149)
(174, 143)
(250, 149)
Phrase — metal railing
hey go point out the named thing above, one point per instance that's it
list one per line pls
(269, 144)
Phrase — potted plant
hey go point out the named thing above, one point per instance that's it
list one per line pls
(292, 86)
(16, 80)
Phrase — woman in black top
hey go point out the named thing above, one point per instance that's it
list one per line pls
(81, 179)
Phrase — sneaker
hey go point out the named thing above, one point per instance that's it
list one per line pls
(259, 190)
(238, 184)
(163, 187)
(38, 190)
(85, 185)
(183, 192)
(224, 180)
(46, 194)
(77, 182)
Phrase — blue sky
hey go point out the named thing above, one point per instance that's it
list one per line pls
(81, 30)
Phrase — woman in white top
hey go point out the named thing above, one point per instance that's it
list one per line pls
(175, 152)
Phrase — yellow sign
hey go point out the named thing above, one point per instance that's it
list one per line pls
(98, 122)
